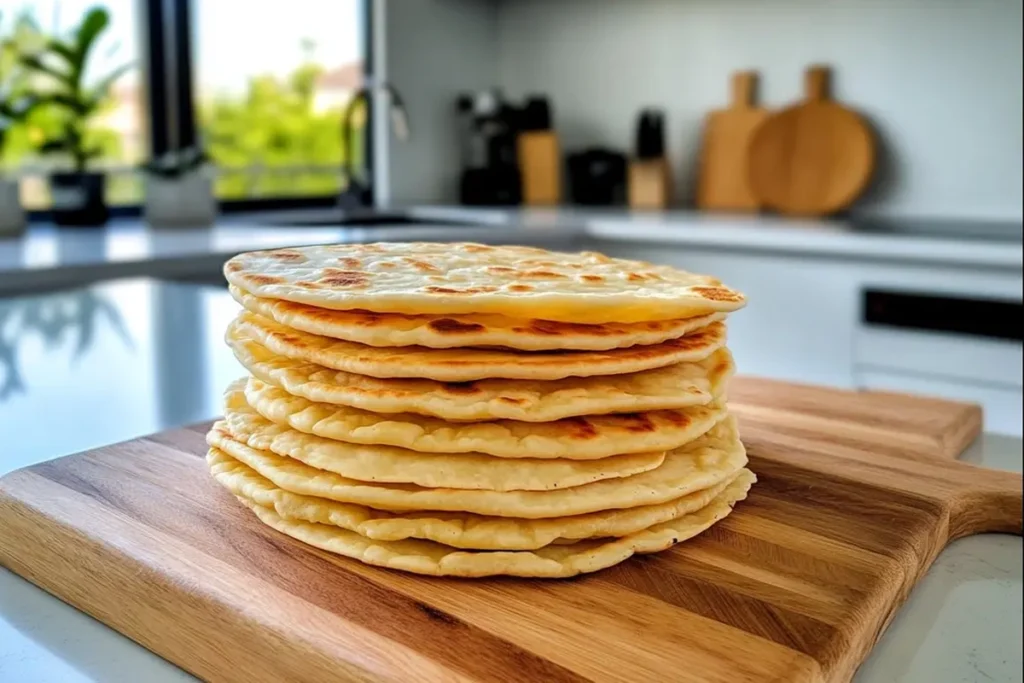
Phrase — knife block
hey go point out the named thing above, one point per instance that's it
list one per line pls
(650, 184)
(541, 167)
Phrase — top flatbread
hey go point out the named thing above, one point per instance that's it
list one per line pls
(461, 278)
(467, 365)
(448, 332)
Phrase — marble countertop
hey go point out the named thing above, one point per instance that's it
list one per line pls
(97, 365)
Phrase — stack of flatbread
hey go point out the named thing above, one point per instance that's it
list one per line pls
(469, 410)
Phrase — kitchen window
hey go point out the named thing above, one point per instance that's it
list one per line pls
(270, 83)
(261, 86)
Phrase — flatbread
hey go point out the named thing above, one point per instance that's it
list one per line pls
(577, 438)
(553, 561)
(388, 464)
(455, 529)
(714, 457)
(675, 386)
(459, 331)
(467, 365)
(461, 278)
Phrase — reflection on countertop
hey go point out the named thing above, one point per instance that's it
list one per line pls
(109, 362)
(52, 318)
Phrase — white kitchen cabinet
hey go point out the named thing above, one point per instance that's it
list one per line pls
(801, 314)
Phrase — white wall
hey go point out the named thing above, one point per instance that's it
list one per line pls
(433, 49)
(941, 80)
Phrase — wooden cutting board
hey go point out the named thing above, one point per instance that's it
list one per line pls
(814, 158)
(882, 422)
(796, 585)
(723, 178)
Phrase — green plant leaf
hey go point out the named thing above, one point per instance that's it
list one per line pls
(35, 63)
(65, 51)
(93, 24)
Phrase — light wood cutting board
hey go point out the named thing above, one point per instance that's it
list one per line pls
(814, 158)
(723, 179)
(796, 585)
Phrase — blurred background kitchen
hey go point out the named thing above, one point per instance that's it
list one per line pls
(855, 166)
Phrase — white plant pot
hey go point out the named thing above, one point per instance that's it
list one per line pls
(12, 214)
(185, 201)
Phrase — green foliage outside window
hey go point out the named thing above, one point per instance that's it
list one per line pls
(273, 123)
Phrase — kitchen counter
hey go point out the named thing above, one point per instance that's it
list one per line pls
(48, 257)
(996, 244)
(110, 362)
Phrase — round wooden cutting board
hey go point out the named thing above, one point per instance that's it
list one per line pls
(814, 158)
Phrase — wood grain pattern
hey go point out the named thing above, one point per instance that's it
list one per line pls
(723, 179)
(796, 585)
(814, 158)
(891, 424)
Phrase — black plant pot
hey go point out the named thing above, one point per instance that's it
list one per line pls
(78, 199)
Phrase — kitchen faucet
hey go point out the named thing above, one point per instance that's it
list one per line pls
(359, 192)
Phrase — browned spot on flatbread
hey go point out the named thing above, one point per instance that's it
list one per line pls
(591, 278)
(421, 265)
(349, 262)
(579, 428)
(635, 277)
(512, 401)
(465, 290)
(336, 277)
(288, 255)
(596, 256)
(476, 248)
(452, 326)
(460, 388)
(717, 294)
(692, 342)
(258, 279)
(307, 285)
(234, 266)
(551, 328)
(675, 417)
(520, 288)
(500, 269)
(638, 423)
(357, 316)
(542, 274)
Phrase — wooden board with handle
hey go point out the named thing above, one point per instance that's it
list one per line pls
(814, 158)
(796, 585)
(723, 178)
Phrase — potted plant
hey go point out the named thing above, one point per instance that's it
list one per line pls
(179, 189)
(12, 214)
(15, 108)
(77, 195)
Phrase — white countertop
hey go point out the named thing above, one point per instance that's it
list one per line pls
(49, 257)
(135, 356)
